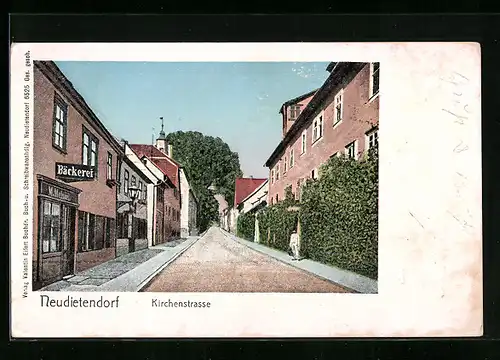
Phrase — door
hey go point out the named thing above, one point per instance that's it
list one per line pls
(68, 240)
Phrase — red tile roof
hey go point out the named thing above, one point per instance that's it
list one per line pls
(167, 165)
(244, 187)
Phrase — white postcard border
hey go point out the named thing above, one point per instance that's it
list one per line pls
(430, 217)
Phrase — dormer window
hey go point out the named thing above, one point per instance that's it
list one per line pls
(294, 112)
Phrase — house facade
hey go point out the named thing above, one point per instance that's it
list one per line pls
(184, 203)
(76, 162)
(254, 202)
(166, 202)
(341, 118)
(155, 180)
(132, 214)
(243, 187)
(189, 206)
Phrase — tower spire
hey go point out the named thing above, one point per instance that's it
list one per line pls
(162, 133)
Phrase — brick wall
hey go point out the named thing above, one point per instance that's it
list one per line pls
(96, 197)
(360, 114)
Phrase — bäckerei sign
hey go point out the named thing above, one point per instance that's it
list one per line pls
(74, 172)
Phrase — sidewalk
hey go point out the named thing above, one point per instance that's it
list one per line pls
(347, 279)
(127, 273)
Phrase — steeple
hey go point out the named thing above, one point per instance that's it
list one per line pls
(162, 133)
(161, 141)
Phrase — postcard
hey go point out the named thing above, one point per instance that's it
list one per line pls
(246, 190)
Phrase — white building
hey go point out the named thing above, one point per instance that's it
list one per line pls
(189, 206)
(151, 192)
(256, 199)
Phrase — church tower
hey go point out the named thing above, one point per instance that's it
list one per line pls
(161, 142)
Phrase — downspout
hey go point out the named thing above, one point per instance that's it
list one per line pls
(118, 176)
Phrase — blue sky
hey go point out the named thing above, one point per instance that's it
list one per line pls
(238, 102)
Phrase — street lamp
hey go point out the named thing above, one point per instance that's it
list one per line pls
(133, 194)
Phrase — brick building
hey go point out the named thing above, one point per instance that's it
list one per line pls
(75, 161)
(181, 200)
(341, 117)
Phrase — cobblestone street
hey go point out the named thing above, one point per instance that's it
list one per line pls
(216, 263)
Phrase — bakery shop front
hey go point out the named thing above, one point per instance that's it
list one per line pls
(75, 162)
(57, 208)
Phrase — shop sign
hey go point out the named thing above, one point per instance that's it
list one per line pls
(74, 172)
(58, 193)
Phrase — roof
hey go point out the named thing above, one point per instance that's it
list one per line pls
(296, 100)
(244, 187)
(57, 77)
(168, 166)
(338, 72)
(255, 190)
(163, 171)
(146, 150)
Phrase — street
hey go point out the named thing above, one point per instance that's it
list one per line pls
(216, 263)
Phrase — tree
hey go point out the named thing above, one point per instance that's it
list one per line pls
(208, 161)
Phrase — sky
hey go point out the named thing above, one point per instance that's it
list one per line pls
(238, 102)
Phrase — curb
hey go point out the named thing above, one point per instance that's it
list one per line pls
(151, 277)
(243, 242)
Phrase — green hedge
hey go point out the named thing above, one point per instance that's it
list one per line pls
(339, 215)
(245, 226)
(276, 223)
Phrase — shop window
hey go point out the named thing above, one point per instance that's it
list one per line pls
(51, 227)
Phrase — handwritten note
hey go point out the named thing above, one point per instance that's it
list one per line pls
(459, 112)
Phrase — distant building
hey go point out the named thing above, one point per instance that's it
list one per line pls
(341, 117)
(181, 201)
(242, 189)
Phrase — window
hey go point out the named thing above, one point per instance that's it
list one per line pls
(51, 227)
(372, 138)
(303, 145)
(60, 124)
(318, 128)
(314, 174)
(278, 172)
(350, 150)
(140, 196)
(86, 231)
(277, 198)
(125, 182)
(339, 98)
(374, 78)
(291, 158)
(109, 166)
(95, 232)
(294, 112)
(284, 165)
(89, 150)
(272, 176)
(133, 181)
(168, 211)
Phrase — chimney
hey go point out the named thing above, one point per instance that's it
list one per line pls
(169, 150)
